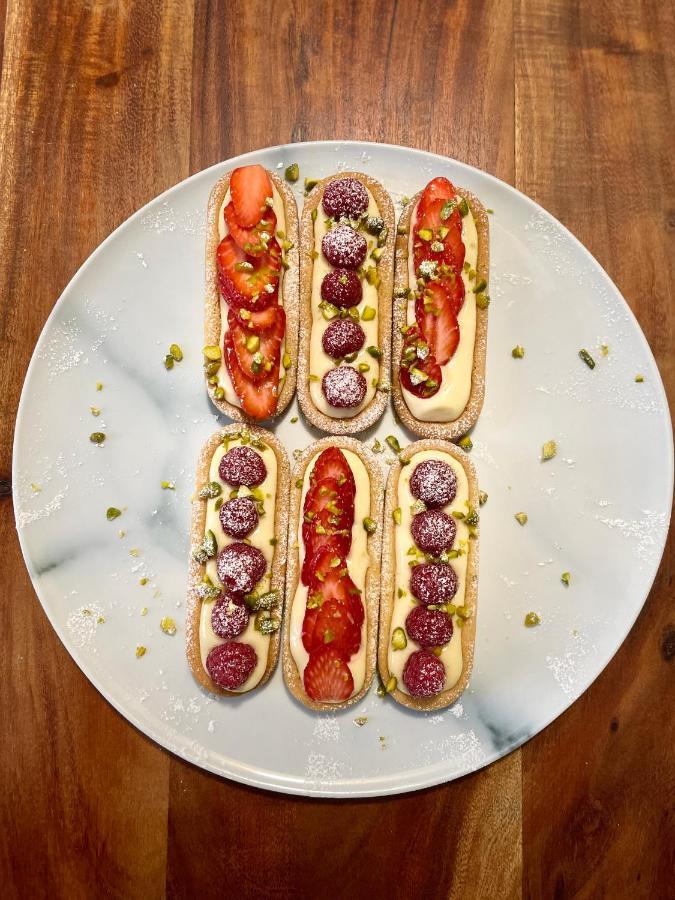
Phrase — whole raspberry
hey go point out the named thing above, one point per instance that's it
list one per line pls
(242, 465)
(343, 247)
(229, 665)
(428, 627)
(240, 567)
(342, 288)
(423, 674)
(434, 483)
(239, 517)
(433, 583)
(344, 387)
(342, 337)
(345, 197)
(433, 531)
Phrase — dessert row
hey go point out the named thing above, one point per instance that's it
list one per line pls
(346, 304)
(346, 574)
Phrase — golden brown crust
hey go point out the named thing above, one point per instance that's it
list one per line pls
(445, 698)
(385, 267)
(212, 302)
(196, 570)
(292, 676)
(469, 416)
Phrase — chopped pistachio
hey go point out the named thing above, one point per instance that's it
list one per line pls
(370, 525)
(99, 386)
(287, 360)
(134, 552)
(310, 184)
(210, 491)
(518, 352)
(532, 619)
(374, 225)
(100, 620)
(482, 301)
(97, 437)
(375, 352)
(466, 443)
(212, 352)
(143, 581)
(35, 488)
(402, 293)
(313, 377)
(294, 419)
(368, 314)
(360, 721)
(168, 486)
(315, 213)
(252, 343)
(390, 686)
(298, 483)
(211, 368)
(639, 378)
(447, 209)
(463, 207)
(398, 639)
(292, 172)
(401, 229)
(392, 442)
(168, 625)
(94, 410)
(243, 266)
(112, 513)
(565, 578)
(377, 446)
(144, 610)
(219, 393)
(176, 352)
(364, 367)
(372, 276)
(464, 612)
(328, 310)
(604, 349)
(549, 450)
(425, 234)
(396, 515)
(521, 517)
(482, 497)
(587, 358)
(376, 254)
(140, 651)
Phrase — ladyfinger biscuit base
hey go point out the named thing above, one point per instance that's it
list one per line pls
(196, 570)
(385, 268)
(371, 598)
(468, 631)
(455, 429)
(212, 321)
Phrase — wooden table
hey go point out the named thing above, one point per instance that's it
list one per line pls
(102, 106)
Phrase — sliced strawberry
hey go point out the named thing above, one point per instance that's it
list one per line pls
(438, 189)
(245, 281)
(319, 535)
(327, 676)
(250, 187)
(332, 463)
(251, 240)
(437, 321)
(256, 362)
(260, 320)
(413, 365)
(333, 497)
(259, 401)
(334, 624)
(446, 232)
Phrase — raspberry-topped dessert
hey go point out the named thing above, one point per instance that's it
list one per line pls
(329, 628)
(441, 288)
(348, 229)
(248, 364)
(429, 576)
(238, 555)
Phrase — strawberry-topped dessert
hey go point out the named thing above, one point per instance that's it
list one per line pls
(250, 266)
(441, 297)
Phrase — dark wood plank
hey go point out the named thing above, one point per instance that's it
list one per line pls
(592, 125)
(94, 117)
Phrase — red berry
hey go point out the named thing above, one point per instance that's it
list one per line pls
(342, 287)
(433, 531)
(269, 348)
(332, 463)
(242, 465)
(433, 583)
(439, 188)
(334, 625)
(254, 286)
(342, 337)
(423, 674)
(427, 365)
(437, 320)
(240, 567)
(434, 483)
(258, 398)
(343, 247)
(249, 239)
(344, 387)
(229, 665)
(327, 676)
(428, 627)
(229, 618)
(250, 187)
(345, 197)
(239, 517)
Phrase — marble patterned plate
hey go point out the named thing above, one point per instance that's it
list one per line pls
(599, 510)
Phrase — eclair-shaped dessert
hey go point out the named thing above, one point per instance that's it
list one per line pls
(237, 567)
(251, 302)
(346, 277)
(440, 311)
(332, 589)
(429, 576)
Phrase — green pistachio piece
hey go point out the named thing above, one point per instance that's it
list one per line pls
(219, 393)
(310, 184)
(243, 266)
(370, 525)
(287, 360)
(398, 639)
(372, 276)
(292, 172)
(518, 352)
(252, 343)
(368, 314)
(482, 301)
(639, 379)
(466, 443)
(447, 209)
(328, 310)
(396, 515)
(211, 352)
(478, 288)
(521, 517)
(168, 361)
(482, 498)
(531, 620)
(210, 545)
(463, 207)
(176, 352)
(210, 490)
(314, 214)
(374, 225)
(377, 253)
(375, 352)
(112, 513)
(565, 578)
(212, 368)
(425, 234)
(549, 450)
(382, 239)
(391, 685)
(392, 442)
(97, 437)
(587, 358)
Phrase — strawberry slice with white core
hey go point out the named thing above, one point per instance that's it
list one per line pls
(254, 240)
(327, 676)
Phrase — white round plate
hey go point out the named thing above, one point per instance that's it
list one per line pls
(599, 510)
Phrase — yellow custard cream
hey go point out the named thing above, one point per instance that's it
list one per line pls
(260, 538)
(357, 564)
(224, 379)
(319, 361)
(448, 403)
(451, 655)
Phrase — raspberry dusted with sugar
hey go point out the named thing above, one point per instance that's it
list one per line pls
(433, 531)
(229, 665)
(342, 288)
(229, 618)
(344, 247)
(428, 627)
(423, 674)
(240, 567)
(344, 387)
(239, 517)
(242, 465)
(433, 583)
(342, 337)
(433, 482)
(345, 197)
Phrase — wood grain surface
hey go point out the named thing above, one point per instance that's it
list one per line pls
(105, 104)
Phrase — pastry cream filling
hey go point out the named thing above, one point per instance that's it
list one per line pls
(450, 400)
(224, 379)
(260, 538)
(451, 655)
(319, 361)
(357, 564)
